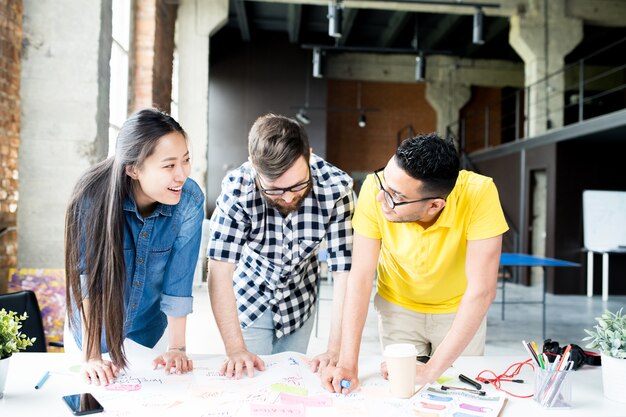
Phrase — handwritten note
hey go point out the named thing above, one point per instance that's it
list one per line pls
(218, 413)
(277, 410)
(129, 379)
(123, 387)
(314, 401)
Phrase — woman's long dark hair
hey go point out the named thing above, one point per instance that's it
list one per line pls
(94, 227)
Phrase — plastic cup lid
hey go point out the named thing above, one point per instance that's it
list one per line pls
(400, 350)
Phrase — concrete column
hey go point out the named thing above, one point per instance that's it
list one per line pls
(447, 98)
(197, 21)
(543, 36)
(448, 90)
(65, 116)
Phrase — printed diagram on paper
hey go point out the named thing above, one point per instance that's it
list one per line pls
(432, 401)
(287, 388)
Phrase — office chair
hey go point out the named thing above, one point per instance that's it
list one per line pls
(26, 301)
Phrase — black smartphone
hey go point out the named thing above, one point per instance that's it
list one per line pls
(82, 404)
(423, 359)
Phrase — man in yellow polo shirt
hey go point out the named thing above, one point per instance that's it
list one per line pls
(434, 235)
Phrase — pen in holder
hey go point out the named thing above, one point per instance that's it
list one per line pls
(553, 388)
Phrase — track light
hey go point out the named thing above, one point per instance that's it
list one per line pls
(477, 34)
(362, 121)
(420, 67)
(317, 63)
(335, 12)
(302, 117)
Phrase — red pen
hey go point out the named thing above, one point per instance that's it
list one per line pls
(564, 358)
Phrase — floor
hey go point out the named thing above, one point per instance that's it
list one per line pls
(566, 318)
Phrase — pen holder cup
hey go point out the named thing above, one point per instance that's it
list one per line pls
(553, 389)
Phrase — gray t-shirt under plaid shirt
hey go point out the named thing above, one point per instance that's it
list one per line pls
(276, 256)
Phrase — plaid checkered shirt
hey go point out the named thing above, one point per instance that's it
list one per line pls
(276, 256)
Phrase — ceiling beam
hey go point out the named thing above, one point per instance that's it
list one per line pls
(396, 23)
(349, 15)
(242, 20)
(599, 12)
(294, 18)
(492, 7)
(401, 68)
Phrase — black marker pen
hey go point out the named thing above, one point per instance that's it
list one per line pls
(470, 381)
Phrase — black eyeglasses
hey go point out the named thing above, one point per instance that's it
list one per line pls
(389, 199)
(280, 191)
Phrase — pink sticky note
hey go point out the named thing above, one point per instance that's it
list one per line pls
(123, 387)
(277, 410)
(314, 401)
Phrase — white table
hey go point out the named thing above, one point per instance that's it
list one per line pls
(21, 398)
(605, 270)
(587, 397)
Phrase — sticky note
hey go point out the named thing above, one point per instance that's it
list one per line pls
(314, 401)
(443, 379)
(289, 389)
(277, 410)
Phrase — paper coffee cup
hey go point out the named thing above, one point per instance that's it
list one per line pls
(400, 360)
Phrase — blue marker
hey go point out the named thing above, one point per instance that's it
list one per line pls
(43, 380)
(344, 383)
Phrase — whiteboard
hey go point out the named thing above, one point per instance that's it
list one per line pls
(604, 220)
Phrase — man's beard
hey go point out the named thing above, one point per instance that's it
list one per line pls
(293, 206)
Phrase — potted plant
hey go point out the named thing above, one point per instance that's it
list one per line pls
(11, 341)
(609, 336)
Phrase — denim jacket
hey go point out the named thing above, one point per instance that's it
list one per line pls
(161, 252)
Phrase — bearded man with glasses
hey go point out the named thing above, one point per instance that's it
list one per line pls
(433, 234)
(265, 233)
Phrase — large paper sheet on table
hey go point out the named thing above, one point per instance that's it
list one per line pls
(287, 388)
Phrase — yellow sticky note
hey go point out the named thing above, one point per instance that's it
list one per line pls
(289, 389)
(444, 378)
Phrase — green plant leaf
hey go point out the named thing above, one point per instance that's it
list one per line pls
(609, 335)
(11, 339)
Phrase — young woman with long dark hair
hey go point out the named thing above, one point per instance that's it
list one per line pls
(132, 237)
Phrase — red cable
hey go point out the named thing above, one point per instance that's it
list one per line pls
(510, 373)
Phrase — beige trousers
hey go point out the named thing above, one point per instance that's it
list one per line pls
(426, 331)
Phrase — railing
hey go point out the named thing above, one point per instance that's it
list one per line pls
(590, 87)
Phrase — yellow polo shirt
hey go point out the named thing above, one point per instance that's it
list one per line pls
(424, 270)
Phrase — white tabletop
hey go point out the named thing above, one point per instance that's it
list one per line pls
(587, 396)
(191, 395)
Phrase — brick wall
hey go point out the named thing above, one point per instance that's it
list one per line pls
(142, 54)
(152, 54)
(164, 54)
(10, 51)
(352, 148)
(474, 114)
